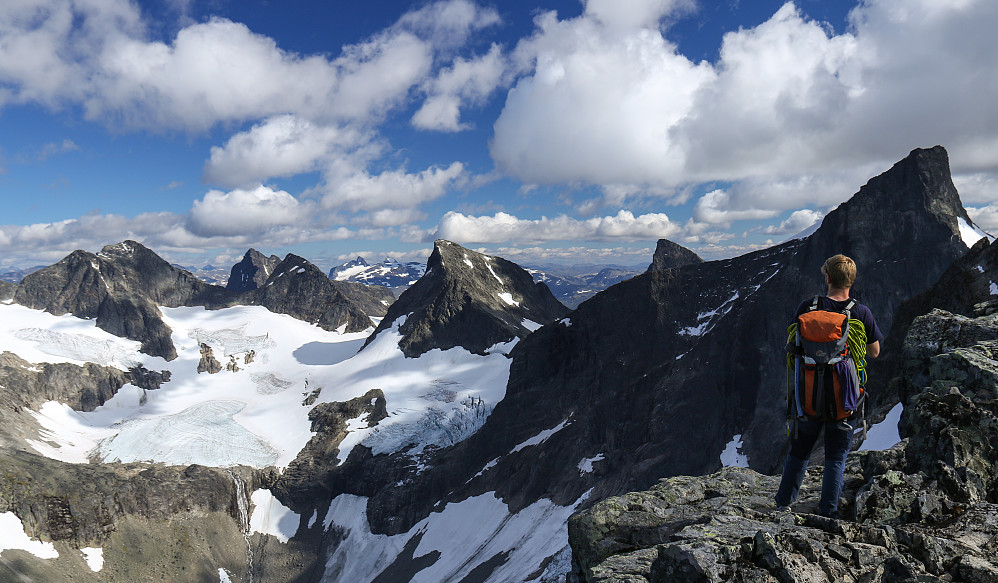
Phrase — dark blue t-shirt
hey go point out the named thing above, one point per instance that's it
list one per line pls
(859, 312)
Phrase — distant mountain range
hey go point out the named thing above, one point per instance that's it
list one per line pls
(571, 285)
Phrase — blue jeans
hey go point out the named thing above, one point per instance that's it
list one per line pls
(838, 438)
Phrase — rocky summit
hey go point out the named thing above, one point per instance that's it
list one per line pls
(924, 510)
(471, 300)
(252, 271)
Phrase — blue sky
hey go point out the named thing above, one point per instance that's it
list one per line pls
(547, 132)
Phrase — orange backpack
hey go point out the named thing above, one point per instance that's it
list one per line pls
(827, 384)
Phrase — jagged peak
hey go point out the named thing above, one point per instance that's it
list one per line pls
(467, 298)
(669, 254)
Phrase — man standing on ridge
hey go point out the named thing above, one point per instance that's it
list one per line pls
(840, 273)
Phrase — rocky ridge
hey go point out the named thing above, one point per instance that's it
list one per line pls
(123, 285)
(298, 288)
(924, 510)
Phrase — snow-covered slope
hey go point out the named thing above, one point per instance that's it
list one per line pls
(254, 416)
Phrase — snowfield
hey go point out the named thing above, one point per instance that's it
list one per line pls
(451, 544)
(256, 415)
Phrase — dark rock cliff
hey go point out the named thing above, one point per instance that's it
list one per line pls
(252, 271)
(689, 352)
(924, 510)
(471, 300)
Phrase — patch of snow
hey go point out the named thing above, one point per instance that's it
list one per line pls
(94, 556)
(271, 517)
(486, 468)
(732, 455)
(508, 298)
(12, 536)
(586, 465)
(969, 233)
(311, 521)
(351, 272)
(464, 535)
(884, 435)
(541, 437)
(566, 322)
(229, 341)
(993, 288)
(488, 263)
(83, 347)
(530, 325)
(414, 419)
(706, 319)
(980, 268)
(468, 262)
(223, 576)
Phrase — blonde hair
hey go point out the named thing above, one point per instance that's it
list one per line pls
(841, 271)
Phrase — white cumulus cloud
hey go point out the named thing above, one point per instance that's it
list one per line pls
(242, 212)
(795, 223)
(285, 145)
(390, 189)
(605, 98)
(467, 80)
(506, 228)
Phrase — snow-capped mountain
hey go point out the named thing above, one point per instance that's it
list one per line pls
(209, 273)
(389, 273)
(288, 440)
(574, 285)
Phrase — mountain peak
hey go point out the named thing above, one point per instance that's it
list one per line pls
(252, 272)
(669, 255)
(469, 299)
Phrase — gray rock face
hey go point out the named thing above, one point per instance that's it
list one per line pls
(306, 479)
(300, 289)
(7, 290)
(924, 509)
(84, 388)
(669, 255)
(252, 272)
(471, 300)
(121, 287)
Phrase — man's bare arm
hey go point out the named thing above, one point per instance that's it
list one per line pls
(873, 349)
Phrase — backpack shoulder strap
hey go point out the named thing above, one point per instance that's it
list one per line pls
(814, 304)
(847, 309)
